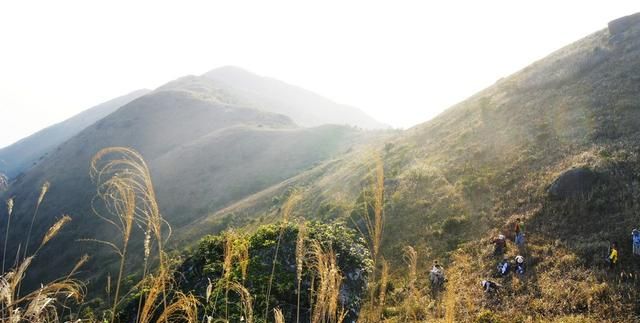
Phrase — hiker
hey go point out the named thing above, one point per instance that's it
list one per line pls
(635, 234)
(489, 286)
(612, 258)
(500, 245)
(436, 276)
(520, 267)
(503, 267)
(519, 232)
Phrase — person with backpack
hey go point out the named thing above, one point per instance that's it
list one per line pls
(436, 276)
(503, 267)
(500, 245)
(635, 235)
(519, 232)
(490, 287)
(612, 258)
(520, 266)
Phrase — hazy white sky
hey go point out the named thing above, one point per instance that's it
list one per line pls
(402, 62)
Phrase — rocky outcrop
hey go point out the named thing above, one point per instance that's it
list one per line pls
(573, 182)
(621, 25)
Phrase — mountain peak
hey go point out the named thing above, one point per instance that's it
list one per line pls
(305, 107)
(229, 70)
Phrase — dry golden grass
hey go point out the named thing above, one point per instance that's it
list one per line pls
(410, 257)
(83, 260)
(378, 206)
(42, 304)
(227, 266)
(154, 285)
(449, 306)
(246, 301)
(126, 189)
(116, 167)
(120, 201)
(373, 230)
(183, 308)
(287, 210)
(6, 235)
(328, 282)
(53, 231)
(413, 304)
(10, 206)
(242, 257)
(374, 226)
(278, 317)
(382, 296)
(209, 291)
(180, 308)
(300, 253)
(43, 191)
(235, 252)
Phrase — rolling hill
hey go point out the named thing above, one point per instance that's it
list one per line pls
(203, 153)
(22, 155)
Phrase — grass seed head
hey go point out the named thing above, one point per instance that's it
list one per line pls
(54, 229)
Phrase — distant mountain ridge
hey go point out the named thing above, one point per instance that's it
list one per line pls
(21, 155)
(229, 85)
(303, 106)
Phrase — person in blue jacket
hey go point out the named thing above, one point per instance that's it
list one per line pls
(635, 235)
(503, 267)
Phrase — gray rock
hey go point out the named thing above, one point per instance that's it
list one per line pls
(573, 182)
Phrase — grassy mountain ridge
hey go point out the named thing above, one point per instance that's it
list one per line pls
(203, 154)
(21, 155)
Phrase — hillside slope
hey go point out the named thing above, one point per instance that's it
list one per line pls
(556, 144)
(23, 154)
(456, 181)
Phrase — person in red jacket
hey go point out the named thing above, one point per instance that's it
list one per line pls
(500, 245)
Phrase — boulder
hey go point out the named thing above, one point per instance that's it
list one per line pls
(573, 182)
(620, 25)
